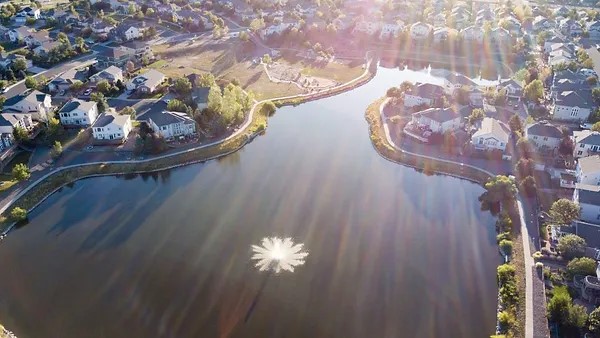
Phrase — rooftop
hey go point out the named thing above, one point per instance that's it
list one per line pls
(78, 104)
(111, 117)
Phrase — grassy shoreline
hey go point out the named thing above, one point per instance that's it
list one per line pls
(432, 166)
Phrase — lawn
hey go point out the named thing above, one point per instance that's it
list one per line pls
(6, 182)
(341, 72)
(225, 62)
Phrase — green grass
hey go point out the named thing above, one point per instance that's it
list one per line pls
(158, 64)
(6, 182)
(22, 157)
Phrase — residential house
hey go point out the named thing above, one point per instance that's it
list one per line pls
(113, 57)
(454, 81)
(472, 33)
(491, 135)
(568, 81)
(172, 124)
(476, 97)
(423, 94)
(111, 74)
(78, 113)
(420, 30)
(101, 27)
(391, 30)
(140, 49)
(541, 23)
(200, 97)
(587, 170)
(500, 35)
(6, 60)
(593, 28)
(570, 27)
(66, 79)
(18, 34)
(514, 90)
(441, 34)
(111, 127)
(36, 38)
(544, 135)
(550, 41)
(573, 106)
(196, 18)
(587, 196)
(36, 103)
(25, 13)
(127, 32)
(438, 120)
(587, 143)
(277, 29)
(45, 47)
(561, 11)
(439, 20)
(10, 121)
(147, 82)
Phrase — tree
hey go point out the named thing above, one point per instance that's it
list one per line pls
(244, 36)
(20, 134)
(534, 91)
(18, 214)
(31, 82)
(266, 59)
(584, 266)
(57, 150)
(524, 168)
(100, 100)
(130, 67)
(564, 211)
(500, 190)
(256, 25)
(594, 321)
(476, 115)
(515, 124)
(182, 86)
(207, 80)
(269, 108)
(129, 110)
(528, 187)
(506, 246)
(406, 86)
(215, 100)
(566, 146)
(176, 105)
(80, 43)
(505, 272)
(592, 81)
(596, 95)
(20, 172)
(571, 246)
(596, 126)
(559, 305)
(394, 92)
(524, 147)
(19, 64)
(103, 87)
(54, 126)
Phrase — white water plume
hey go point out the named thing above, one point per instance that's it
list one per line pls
(278, 254)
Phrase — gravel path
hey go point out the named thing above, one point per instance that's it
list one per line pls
(540, 322)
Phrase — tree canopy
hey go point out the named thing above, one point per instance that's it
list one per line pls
(571, 246)
(564, 211)
(584, 266)
(534, 91)
(20, 172)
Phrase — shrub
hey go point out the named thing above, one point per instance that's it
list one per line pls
(506, 246)
(506, 320)
(18, 214)
(571, 246)
(581, 266)
(20, 172)
(268, 108)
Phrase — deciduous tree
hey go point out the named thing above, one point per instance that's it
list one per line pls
(564, 211)
(571, 246)
(20, 172)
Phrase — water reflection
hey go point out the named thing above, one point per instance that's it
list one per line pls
(278, 254)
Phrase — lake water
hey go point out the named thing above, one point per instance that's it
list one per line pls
(392, 252)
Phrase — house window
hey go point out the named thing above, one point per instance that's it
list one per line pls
(545, 139)
(579, 152)
(581, 145)
(594, 148)
(535, 137)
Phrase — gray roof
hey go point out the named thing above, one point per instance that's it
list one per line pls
(511, 83)
(112, 71)
(590, 164)
(439, 114)
(165, 118)
(35, 97)
(589, 232)
(570, 98)
(588, 194)
(77, 104)
(9, 119)
(200, 94)
(110, 117)
(544, 129)
(151, 78)
(494, 127)
(587, 137)
(457, 78)
(427, 90)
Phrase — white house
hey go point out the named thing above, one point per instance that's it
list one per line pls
(147, 82)
(588, 198)
(572, 106)
(472, 33)
(423, 94)
(277, 29)
(78, 113)
(550, 41)
(491, 135)
(130, 32)
(9, 121)
(36, 103)
(438, 120)
(27, 13)
(588, 170)
(587, 142)
(420, 30)
(389, 30)
(513, 88)
(439, 20)
(172, 124)
(367, 27)
(111, 127)
(111, 74)
(543, 135)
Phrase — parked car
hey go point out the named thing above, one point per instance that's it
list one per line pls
(586, 126)
(87, 92)
(588, 72)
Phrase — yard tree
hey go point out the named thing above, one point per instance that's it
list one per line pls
(524, 147)
(406, 86)
(215, 99)
(566, 146)
(100, 100)
(564, 211)
(2, 100)
(57, 150)
(394, 92)
(592, 81)
(476, 115)
(524, 167)
(76, 85)
(244, 37)
(596, 126)
(3, 84)
(571, 246)
(104, 87)
(20, 134)
(207, 80)
(18, 65)
(559, 304)
(20, 172)
(182, 86)
(256, 25)
(527, 186)
(534, 91)
(266, 59)
(177, 105)
(515, 124)
(269, 108)
(500, 190)
(129, 110)
(18, 214)
(584, 266)
(31, 82)
(596, 95)
(594, 321)
(54, 126)
(130, 66)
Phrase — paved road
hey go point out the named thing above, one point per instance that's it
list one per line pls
(19, 87)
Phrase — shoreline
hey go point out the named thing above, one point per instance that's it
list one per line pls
(38, 191)
(381, 141)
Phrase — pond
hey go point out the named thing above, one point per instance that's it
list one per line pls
(392, 252)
